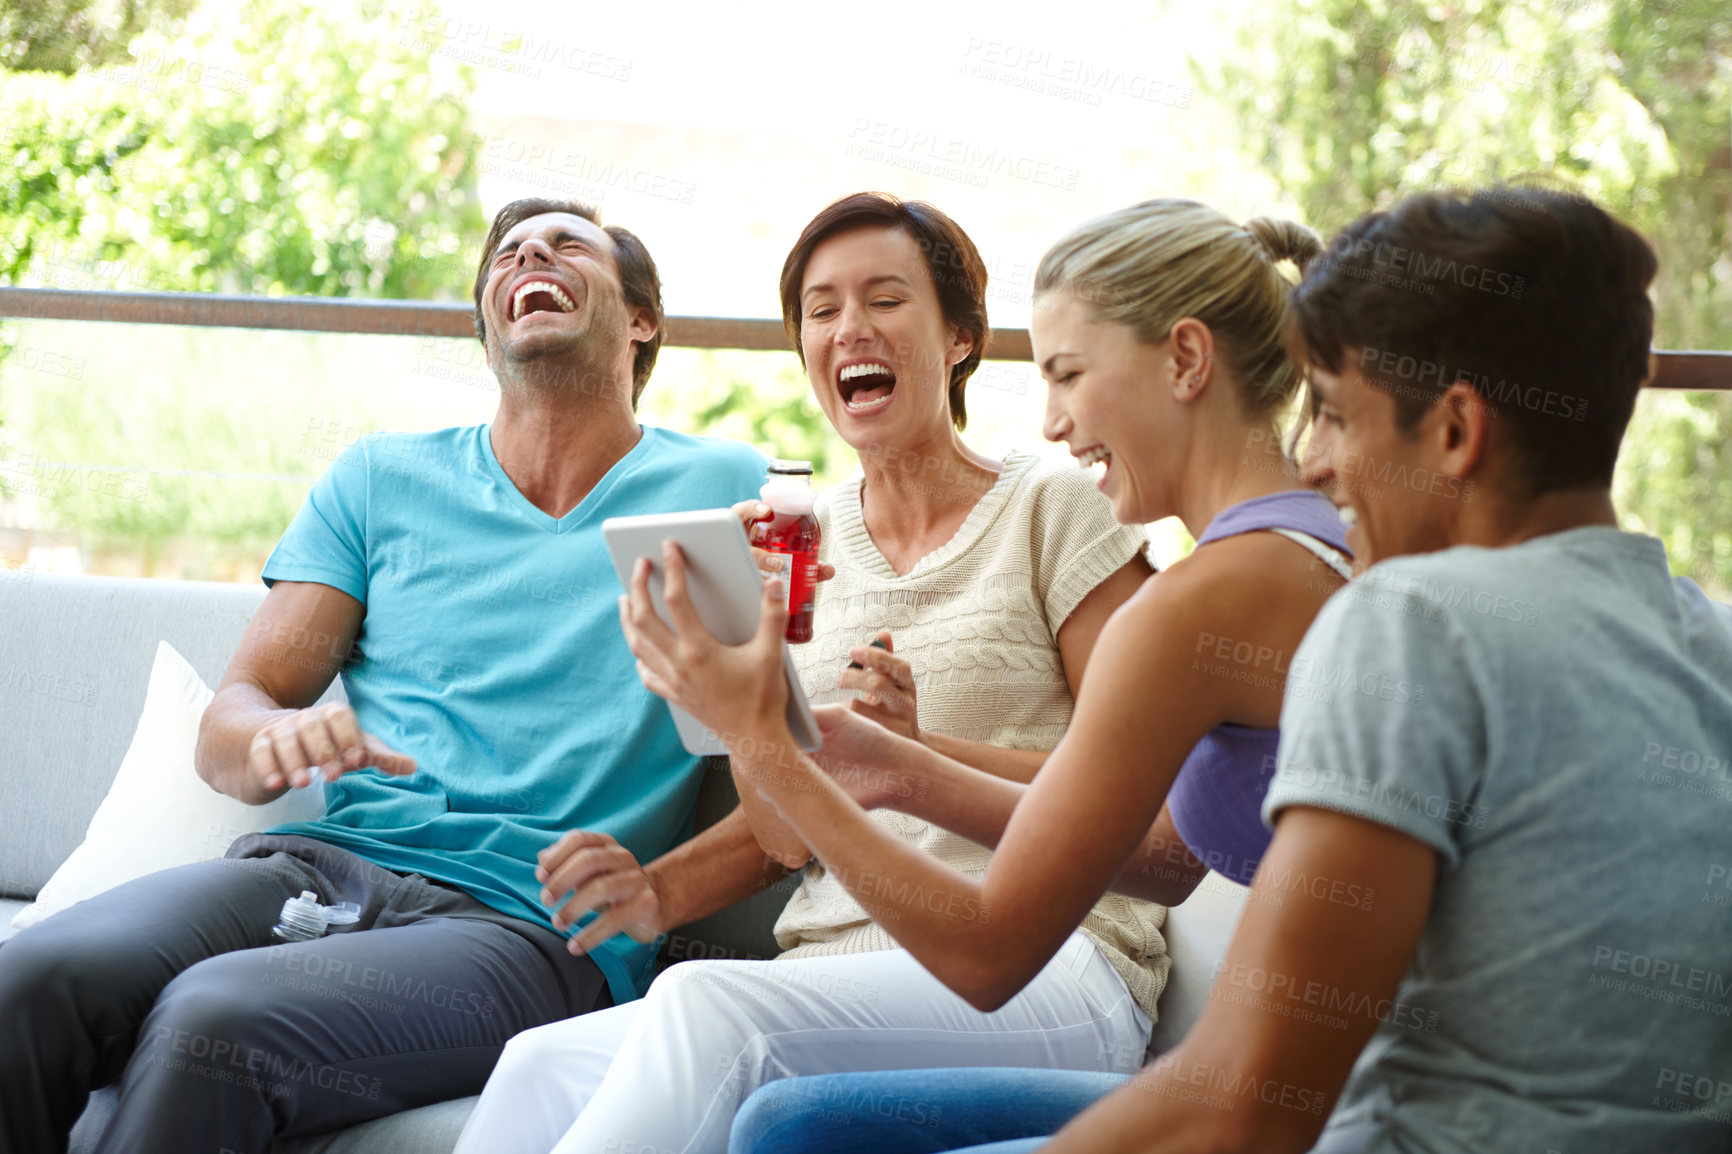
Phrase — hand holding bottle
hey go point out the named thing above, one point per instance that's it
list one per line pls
(791, 529)
(771, 564)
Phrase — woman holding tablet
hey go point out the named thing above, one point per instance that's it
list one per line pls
(1160, 331)
(989, 582)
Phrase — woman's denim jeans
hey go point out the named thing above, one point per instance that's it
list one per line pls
(915, 1111)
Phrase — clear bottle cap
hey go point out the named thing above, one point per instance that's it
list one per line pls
(783, 468)
(304, 919)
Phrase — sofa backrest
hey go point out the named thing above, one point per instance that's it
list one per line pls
(75, 658)
(744, 930)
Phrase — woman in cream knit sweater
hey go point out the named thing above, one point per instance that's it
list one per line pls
(990, 581)
(1159, 330)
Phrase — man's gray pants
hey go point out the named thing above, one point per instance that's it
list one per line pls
(222, 1037)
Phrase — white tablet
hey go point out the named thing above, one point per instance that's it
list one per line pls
(726, 588)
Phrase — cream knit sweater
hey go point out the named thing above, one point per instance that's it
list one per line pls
(977, 619)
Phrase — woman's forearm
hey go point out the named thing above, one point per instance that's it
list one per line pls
(925, 783)
(973, 942)
(976, 804)
(1019, 765)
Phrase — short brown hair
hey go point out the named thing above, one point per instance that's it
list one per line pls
(957, 271)
(1536, 298)
(639, 281)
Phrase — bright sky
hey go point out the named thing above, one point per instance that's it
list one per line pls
(716, 130)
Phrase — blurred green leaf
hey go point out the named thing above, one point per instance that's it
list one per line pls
(69, 35)
(279, 148)
(1351, 105)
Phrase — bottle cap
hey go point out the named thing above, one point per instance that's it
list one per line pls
(304, 919)
(788, 488)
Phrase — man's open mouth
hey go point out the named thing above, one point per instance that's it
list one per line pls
(866, 385)
(539, 296)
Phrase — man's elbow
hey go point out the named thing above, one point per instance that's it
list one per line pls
(210, 749)
(1267, 1130)
(203, 757)
(788, 859)
(1172, 893)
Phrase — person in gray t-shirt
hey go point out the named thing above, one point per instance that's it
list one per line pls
(1494, 913)
(1567, 752)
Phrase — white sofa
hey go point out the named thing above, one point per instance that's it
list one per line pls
(75, 657)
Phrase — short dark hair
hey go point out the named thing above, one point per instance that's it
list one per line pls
(957, 271)
(638, 279)
(1536, 298)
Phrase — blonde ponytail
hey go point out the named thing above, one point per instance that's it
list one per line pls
(1284, 240)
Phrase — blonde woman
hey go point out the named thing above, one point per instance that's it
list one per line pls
(991, 581)
(1160, 332)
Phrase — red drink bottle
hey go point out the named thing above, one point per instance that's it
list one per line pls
(792, 529)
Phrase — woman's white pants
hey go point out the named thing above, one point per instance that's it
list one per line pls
(665, 1075)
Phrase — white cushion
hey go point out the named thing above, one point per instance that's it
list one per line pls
(159, 813)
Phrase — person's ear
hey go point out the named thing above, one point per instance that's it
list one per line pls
(961, 344)
(640, 324)
(640, 330)
(1462, 421)
(1193, 352)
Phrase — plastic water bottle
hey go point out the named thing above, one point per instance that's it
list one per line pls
(304, 919)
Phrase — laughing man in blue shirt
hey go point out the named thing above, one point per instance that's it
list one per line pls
(459, 583)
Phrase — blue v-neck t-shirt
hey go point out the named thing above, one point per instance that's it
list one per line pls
(491, 652)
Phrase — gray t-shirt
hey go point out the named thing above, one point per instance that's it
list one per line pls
(1555, 718)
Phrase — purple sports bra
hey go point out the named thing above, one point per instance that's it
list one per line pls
(1216, 802)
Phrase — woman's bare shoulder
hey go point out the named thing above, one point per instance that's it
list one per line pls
(1239, 581)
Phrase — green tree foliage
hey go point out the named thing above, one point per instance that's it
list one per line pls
(763, 399)
(160, 415)
(285, 148)
(330, 164)
(1351, 105)
(70, 35)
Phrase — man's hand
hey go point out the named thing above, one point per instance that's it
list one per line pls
(888, 684)
(327, 738)
(599, 874)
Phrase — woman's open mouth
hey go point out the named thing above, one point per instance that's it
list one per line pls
(1096, 455)
(865, 386)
